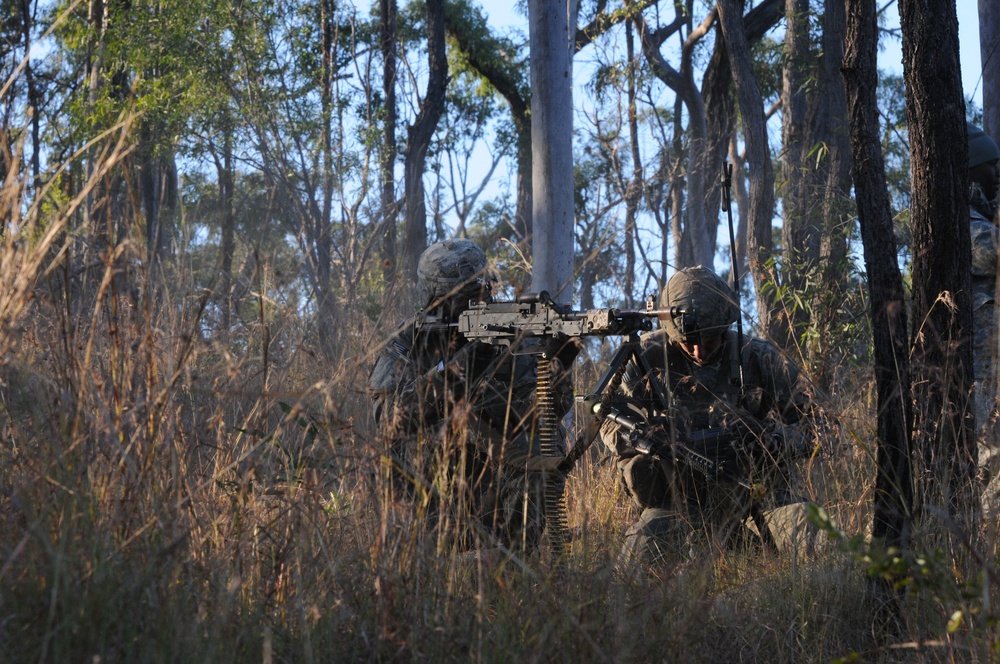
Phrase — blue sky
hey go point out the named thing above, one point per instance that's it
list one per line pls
(502, 13)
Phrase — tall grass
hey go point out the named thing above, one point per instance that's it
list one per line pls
(166, 498)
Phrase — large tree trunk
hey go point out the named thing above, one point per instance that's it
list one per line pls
(758, 156)
(935, 112)
(989, 53)
(893, 483)
(552, 147)
(419, 139)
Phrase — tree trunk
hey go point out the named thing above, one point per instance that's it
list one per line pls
(634, 192)
(989, 53)
(227, 246)
(720, 115)
(326, 299)
(935, 112)
(693, 244)
(796, 230)
(893, 484)
(758, 156)
(33, 96)
(419, 140)
(552, 147)
(387, 164)
(837, 209)
(469, 30)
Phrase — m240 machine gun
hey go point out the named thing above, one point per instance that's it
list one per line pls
(536, 324)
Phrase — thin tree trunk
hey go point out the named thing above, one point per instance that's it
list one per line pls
(758, 155)
(387, 10)
(419, 140)
(228, 244)
(894, 483)
(634, 193)
(322, 232)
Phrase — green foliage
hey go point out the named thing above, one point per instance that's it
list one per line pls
(914, 573)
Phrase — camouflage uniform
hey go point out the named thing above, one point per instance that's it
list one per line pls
(456, 419)
(678, 504)
(985, 241)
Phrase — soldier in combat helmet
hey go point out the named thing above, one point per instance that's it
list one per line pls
(711, 382)
(984, 183)
(457, 417)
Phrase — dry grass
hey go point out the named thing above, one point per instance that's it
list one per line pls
(165, 498)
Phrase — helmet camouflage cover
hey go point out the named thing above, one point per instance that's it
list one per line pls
(699, 302)
(449, 269)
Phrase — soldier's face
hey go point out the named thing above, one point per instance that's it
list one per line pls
(988, 176)
(704, 350)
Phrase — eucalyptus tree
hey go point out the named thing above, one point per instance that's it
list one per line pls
(815, 177)
(388, 10)
(935, 110)
(893, 496)
(311, 108)
(709, 110)
(461, 149)
(500, 61)
(420, 133)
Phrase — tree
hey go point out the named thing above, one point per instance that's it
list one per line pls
(758, 156)
(942, 304)
(894, 484)
(419, 136)
(552, 145)
(496, 60)
(387, 16)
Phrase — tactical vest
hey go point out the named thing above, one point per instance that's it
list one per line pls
(694, 391)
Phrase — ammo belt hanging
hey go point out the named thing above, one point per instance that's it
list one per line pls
(548, 438)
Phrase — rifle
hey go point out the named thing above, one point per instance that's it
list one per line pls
(709, 452)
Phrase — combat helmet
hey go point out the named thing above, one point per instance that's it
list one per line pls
(695, 302)
(450, 269)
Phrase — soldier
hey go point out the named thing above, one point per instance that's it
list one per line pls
(984, 181)
(710, 382)
(457, 417)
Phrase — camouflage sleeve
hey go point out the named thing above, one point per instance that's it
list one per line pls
(631, 391)
(774, 383)
(985, 240)
(391, 383)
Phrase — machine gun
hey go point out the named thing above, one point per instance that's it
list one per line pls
(537, 315)
(535, 324)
